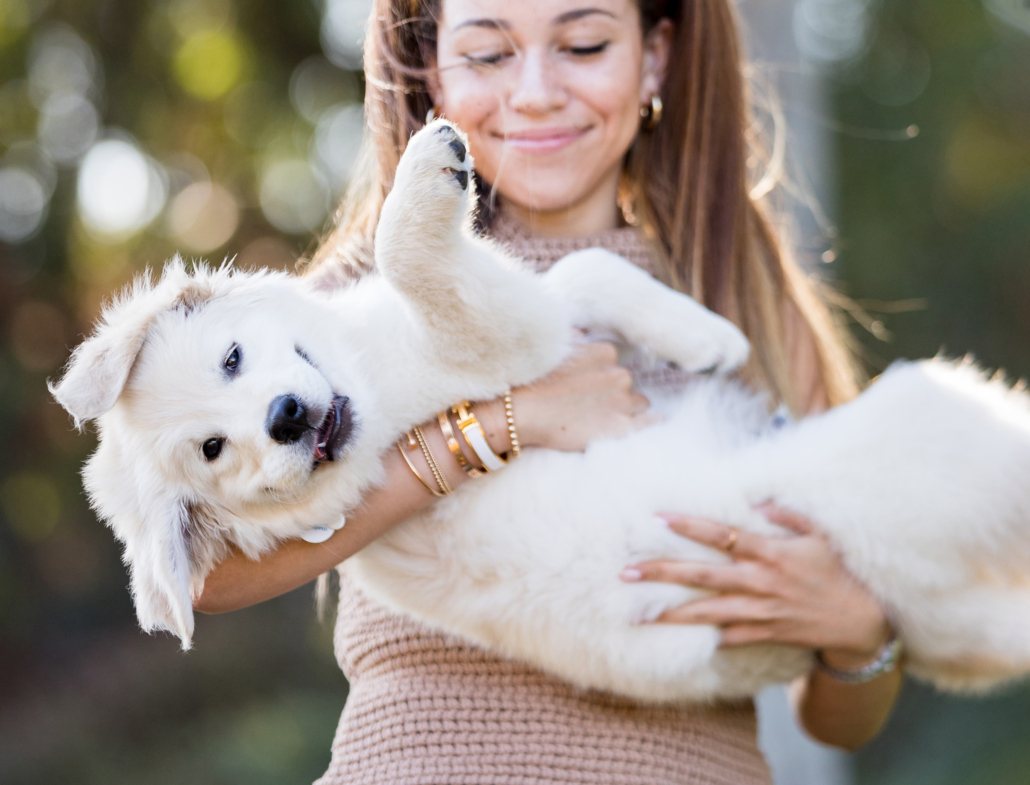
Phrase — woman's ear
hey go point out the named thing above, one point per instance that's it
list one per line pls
(657, 46)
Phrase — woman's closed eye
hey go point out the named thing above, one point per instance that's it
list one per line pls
(587, 50)
(485, 58)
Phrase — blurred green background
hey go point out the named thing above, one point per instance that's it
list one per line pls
(133, 129)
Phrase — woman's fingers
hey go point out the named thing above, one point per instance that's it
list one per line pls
(724, 610)
(789, 519)
(747, 634)
(736, 576)
(737, 542)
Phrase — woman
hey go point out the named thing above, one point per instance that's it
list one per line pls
(617, 124)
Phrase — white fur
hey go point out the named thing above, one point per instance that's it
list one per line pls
(920, 483)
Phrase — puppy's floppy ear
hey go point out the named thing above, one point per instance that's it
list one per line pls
(157, 552)
(100, 366)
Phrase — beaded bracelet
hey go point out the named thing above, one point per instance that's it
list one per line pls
(441, 481)
(412, 443)
(509, 415)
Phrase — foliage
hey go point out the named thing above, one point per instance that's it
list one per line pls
(237, 135)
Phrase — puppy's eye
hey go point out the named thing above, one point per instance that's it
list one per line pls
(232, 360)
(212, 448)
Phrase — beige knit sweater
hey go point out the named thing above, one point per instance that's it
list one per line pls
(428, 709)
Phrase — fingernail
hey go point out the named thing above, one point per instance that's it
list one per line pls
(631, 575)
(663, 520)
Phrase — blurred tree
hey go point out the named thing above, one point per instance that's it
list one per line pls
(131, 130)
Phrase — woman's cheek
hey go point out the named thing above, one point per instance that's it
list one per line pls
(471, 102)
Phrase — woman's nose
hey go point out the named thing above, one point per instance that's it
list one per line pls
(536, 89)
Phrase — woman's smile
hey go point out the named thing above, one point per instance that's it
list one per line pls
(542, 140)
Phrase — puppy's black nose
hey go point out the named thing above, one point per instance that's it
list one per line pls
(287, 419)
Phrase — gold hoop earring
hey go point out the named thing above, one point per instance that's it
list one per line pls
(430, 115)
(651, 113)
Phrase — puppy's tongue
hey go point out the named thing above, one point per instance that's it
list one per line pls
(332, 431)
(325, 433)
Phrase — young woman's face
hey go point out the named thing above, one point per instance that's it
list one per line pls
(548, 91)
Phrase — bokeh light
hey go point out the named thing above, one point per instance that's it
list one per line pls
(210, 63)
(120, 190)
(294, 197)
(203, 216)
(343, 28)
(831, 30)
(316, 85)
(1013, 12)
(68, 125)
(23, 204)
(337, 142)
(60, 62)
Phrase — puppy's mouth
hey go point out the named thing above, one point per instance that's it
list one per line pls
(334, 432)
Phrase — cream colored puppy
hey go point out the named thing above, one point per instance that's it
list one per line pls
(246, 409)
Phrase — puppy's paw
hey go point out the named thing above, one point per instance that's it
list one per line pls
(700, 341)
(436, 162)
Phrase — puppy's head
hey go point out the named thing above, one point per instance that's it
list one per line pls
(222, 406)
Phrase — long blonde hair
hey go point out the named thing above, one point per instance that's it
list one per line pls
(686, 181)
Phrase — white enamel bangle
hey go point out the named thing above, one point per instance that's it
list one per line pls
(475, 438)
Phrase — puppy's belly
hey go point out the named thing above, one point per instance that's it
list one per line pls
(528, 563)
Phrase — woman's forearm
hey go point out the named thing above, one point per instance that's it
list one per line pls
(844, 715)
(586, 397)
(238, 581)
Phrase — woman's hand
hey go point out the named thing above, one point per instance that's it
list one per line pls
(587, 397)
(792, 590)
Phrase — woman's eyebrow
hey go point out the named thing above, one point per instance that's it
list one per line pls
(493, 24)
(579, 13)
(561, 19)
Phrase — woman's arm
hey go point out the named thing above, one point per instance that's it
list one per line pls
(587, 397)
(794, 591)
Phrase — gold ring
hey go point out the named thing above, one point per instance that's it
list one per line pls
(732, 542)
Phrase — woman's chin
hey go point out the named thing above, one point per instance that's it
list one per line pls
(541, 193)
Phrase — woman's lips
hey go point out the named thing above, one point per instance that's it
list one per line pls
(542, 140)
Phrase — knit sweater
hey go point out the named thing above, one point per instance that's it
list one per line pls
(426, 708)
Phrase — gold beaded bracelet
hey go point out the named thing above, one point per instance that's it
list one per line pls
(509, 415)
(441, 481)
(412, 444)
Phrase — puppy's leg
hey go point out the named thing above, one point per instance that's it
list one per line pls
(418, 242)
(607, 291)
(971, 641)
(478, 310)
